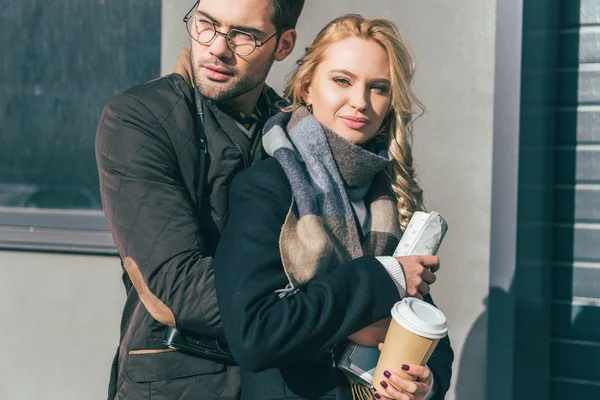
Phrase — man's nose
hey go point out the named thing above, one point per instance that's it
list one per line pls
(219, 48)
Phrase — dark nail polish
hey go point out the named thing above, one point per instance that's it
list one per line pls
(387, 374)
(405, 367)
(384, 384)
(377, 395)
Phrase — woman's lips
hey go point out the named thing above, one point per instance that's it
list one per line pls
(355, 122)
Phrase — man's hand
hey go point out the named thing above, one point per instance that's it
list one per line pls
(419, 272)
(372, 334)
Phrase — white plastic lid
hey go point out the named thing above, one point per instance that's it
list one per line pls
(420, 318)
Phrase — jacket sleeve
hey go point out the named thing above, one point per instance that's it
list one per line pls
(440, 363)
(262, 329)
(152, 218)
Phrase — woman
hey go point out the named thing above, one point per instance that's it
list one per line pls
(296, 269)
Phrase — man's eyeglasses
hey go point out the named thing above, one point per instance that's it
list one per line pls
(203, 31)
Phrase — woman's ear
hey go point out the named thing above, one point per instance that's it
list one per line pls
(286, 44)
(306, 97)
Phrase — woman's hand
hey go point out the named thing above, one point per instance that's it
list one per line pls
(416, 389)
(419, 272)
(372, 334)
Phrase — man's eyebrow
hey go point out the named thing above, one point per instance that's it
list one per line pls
(246, 29)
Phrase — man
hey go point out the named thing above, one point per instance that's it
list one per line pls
(166, 207)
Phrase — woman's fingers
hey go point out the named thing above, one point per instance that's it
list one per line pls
(431, 262)
(428, 277)
(389, 391)
(411, 390)
(397, 387)
(418, 371)
(405, 385)
(423, 288)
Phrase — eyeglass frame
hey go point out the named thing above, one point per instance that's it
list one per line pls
(257, 43)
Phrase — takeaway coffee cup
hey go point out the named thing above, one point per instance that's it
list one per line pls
(415, 330)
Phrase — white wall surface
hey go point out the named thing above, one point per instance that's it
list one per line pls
(59, 318)
(174, 34)
(60, 313)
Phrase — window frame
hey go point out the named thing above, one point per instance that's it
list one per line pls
(55, 230)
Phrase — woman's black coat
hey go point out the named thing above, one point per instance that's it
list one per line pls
(283, 344)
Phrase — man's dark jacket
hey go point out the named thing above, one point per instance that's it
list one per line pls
(147, 150)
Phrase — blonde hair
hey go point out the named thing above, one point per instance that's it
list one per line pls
(397, 125)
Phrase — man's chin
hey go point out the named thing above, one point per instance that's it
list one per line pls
(217, 91)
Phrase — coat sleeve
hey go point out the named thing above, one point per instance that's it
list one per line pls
(262, 329)
(440, 363)
(152, 218)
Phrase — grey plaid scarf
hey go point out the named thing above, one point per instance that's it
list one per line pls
(325, 172)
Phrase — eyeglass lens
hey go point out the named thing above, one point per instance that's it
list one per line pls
(203, 31)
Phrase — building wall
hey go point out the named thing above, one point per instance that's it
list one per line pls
(576, 269)
(65, 309)
(60, 325)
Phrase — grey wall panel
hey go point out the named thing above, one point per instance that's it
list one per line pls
(537, 58)
(540, 125)
(530, 171)
(576, 270)
(582, 12)
(541, 93)
(576, 359)
(538, 96)
(581, 164)
(571, 281)
(531, 209)
(538, 241)
(574, 389)
(590, 12)
(578, 125)
(580, 46)
(587, 82)
(575, 321)
(577, 204)
(576, 244)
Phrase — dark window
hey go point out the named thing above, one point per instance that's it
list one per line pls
(61, 62)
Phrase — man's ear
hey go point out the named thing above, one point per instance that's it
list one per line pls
(286, 44)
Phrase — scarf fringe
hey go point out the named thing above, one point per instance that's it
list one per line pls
(360, 392)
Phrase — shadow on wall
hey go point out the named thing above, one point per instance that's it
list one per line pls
(471, 374)
(470, 383)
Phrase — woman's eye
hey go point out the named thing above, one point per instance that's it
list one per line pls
(341, 81)
(380, 88)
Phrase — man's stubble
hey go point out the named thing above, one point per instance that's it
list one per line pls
(223, 92)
